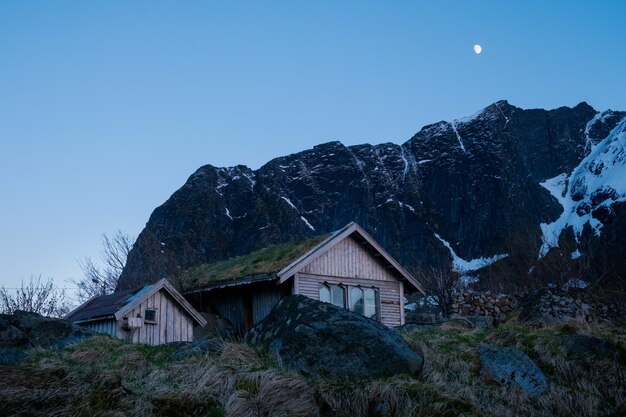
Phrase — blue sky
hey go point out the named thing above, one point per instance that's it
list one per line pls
(107, 107)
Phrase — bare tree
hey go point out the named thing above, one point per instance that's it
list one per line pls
(440, 284)
(100, 280)
(35, 296)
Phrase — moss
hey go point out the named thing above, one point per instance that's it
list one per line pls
(265, 261)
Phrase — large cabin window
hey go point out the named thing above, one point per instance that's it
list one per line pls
(360, 300)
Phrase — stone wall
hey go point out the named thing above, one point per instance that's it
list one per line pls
(470, 303)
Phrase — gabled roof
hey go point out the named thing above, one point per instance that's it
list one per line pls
(116, 305)
(350, 229)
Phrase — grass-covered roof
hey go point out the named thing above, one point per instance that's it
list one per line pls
(266, 261)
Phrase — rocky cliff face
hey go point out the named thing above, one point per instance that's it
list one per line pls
(455, 192)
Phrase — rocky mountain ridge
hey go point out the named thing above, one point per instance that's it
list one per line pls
(456, 192)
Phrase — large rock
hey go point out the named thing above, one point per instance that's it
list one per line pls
(509, 365)
(322, 339)
(24, 329)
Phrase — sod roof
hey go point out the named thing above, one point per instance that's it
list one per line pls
(263, 262)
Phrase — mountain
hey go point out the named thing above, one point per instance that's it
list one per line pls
(460, 192)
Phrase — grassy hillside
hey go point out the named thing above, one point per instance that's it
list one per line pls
(105, 377)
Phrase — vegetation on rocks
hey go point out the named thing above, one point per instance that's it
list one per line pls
(101, 376)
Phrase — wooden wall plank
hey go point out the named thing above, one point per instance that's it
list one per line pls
(170, 321)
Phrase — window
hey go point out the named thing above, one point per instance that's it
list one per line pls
(356, 300)
(334, 294)
(338, 295)
(150, 315)
(360, 300)
(370, 304)
(324, 293)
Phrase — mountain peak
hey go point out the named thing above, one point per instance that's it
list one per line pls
(474, 182)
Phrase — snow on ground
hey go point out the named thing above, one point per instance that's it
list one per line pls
(599, 180)
(462, 266)
(228, 213)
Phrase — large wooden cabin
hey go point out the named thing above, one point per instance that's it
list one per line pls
(347, 268)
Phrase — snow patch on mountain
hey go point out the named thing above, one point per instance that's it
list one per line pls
(307, 223)
(458, 137)
(557, 186)
(462, 266)
(598, 181)
(289, 202)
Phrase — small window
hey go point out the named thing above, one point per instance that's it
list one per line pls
(150, 315)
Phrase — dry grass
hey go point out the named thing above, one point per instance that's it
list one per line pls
(104, 377)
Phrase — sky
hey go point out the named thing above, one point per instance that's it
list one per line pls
(107, 107)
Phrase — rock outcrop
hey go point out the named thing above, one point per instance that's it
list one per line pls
(508, 365)
(322, 339)
(24, 329)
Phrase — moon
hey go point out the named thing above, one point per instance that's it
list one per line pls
(478, 49)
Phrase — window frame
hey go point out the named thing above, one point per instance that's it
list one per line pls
(347, 297)
(151, 321)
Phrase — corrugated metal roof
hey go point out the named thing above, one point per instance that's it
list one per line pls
(105, 305)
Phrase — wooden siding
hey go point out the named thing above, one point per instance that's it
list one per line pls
(173, 324)
(103, 326)
(350, 259)
(242, 305)
(232, 309)
(263, 302)
(389, 293)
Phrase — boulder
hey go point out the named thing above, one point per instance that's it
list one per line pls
(509, 365)
(325, 340)
(25, 329)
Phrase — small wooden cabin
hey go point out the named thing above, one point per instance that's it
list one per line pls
(153, 315)
(347, 268)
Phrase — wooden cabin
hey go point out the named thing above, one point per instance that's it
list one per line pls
(153, 315)
(347, 268)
